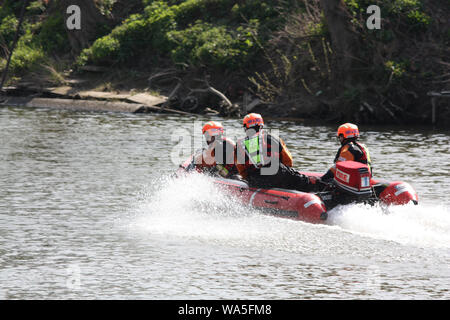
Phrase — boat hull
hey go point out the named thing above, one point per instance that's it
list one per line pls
(281, 202)
(311, 206)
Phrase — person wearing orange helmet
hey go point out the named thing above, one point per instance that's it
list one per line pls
(264, 159)
(219, 157)
(350, 149)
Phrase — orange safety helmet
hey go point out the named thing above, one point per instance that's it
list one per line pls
(348, 130)
(212, 129)
(253, 119)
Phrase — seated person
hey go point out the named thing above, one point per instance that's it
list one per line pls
(219, 157)
(264, 160)
(350, 149)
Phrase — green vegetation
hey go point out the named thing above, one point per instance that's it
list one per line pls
(26, 56)
(8, 26)
(51, 35)
(408, 14)
(38, 38)
(192, 32)
(204, 44)
(281, 51)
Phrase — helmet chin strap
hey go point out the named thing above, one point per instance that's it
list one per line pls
(344, 140)
(252, 130)
(208, 142)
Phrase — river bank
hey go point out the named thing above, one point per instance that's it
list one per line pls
(317, 59)
(81, 100)
(141, 101)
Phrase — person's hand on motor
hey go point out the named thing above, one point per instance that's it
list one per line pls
(314, 180)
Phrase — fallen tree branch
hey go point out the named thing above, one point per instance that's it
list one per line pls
(442, 76)
(368, 107)
(444, 81)
(390, 113)
(161, 74)
(220, 94)
(172, 94)
(444, 63)
(212, 90)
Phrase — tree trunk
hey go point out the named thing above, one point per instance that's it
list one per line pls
(16, 38)
(90, 18)
(343, 36)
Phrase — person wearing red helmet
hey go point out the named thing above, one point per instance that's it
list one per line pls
(264, 160)
(219, 156)
(350, 149)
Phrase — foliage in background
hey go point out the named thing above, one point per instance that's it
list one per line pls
(8, 27)
(52, 36)
(41, 35)
(284, 47)
(391, 65)
(217, 34)
(26, 56)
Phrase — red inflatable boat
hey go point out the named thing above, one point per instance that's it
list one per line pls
(352, 184)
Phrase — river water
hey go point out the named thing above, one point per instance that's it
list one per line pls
(88, 210)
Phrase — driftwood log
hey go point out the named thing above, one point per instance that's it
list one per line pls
(187, 98)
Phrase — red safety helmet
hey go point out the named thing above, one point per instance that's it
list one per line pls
(348, 130)
(212, 129)
(253, 119)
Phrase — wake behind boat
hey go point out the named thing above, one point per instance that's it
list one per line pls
(352, 184)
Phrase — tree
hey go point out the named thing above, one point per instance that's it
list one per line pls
(344, 37)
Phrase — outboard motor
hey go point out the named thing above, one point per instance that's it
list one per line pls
(352, 181)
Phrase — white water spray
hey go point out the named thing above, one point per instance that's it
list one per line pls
(194, 207)
(418, 225)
